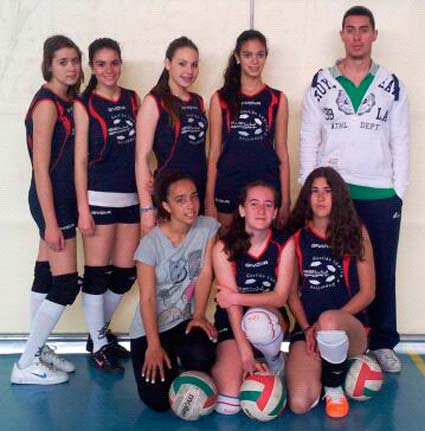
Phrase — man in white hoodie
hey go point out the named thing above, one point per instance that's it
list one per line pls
(355, 119)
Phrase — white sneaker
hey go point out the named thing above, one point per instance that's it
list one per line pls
(50, 357)
(388, 360)
(37, 373)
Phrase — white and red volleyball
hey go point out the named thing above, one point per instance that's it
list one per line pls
(192, 395)
(364, 378)
(263, 397)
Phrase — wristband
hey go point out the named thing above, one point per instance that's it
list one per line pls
(148, 208)
(306, 329)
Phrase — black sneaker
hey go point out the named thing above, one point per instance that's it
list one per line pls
(117, 350)
(106, 361)
(89, 344)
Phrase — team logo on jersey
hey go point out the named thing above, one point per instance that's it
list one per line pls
(122, 128)
(344, 104)
(250, 126)
(257, 281)
(194, 128)
(323, 273)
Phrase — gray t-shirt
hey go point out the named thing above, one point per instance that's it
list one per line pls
(176, 272)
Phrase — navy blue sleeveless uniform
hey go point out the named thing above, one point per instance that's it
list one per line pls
(254, 274)
(248, 147)
(61, 166)
(327, 282)
(182, 147)
(112, 148)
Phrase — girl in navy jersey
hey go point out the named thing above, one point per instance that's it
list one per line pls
(335, 261)
(50, 139)
(248, 132)
(172, 123)
(174, 272)
(108, 210)
(254, 266)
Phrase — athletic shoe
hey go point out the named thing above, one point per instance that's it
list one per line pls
(89, 344)
(106, 361)
(117, 350)
(50, 357)
(388, 360)
(38, 373)
(336, 402)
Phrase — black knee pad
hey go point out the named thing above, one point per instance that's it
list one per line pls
(65, 289)
(42, 278)
(122, 279)
(333, 375)
(97, 279)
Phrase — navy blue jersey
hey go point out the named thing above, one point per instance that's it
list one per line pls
(62, 148)
(257, 274)
(182, 147)
(327, 282)
(248, 139)
(112, 142)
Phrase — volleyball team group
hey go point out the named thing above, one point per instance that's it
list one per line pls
(227, 217)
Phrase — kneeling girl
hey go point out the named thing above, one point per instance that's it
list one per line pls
(335, 260)
(254, 265)
(174, 272)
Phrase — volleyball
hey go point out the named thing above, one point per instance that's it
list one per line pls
(192, 394)
(263, 397)
(364, 378)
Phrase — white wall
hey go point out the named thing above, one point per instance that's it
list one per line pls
(303, 36)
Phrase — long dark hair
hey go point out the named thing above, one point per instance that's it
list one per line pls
(231, 90)
(51, 45)
(97, 45)
(162, 89)
(237, 241)
(162, 185)
(344, 229)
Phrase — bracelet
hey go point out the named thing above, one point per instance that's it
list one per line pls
(306, 329)
(148, 208)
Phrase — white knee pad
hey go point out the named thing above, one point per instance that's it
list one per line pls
(333, 345)
(261, 326)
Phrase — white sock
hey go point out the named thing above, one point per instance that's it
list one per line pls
(333, 345)
(227, 405)
(264, 332)
(111, 301)
(95, 317)
(36, 300)
(44, 321)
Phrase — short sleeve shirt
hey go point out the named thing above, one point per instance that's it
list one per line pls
(176, 272)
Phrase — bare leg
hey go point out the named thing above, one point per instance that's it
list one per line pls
(227, 371)
(303, 373)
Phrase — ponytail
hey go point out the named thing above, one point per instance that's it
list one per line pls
(90, 86)
(230, 93)
(231, 90)
(97, 45)
(162, 92)
(162, 88)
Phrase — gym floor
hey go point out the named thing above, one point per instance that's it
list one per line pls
(93, 400)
